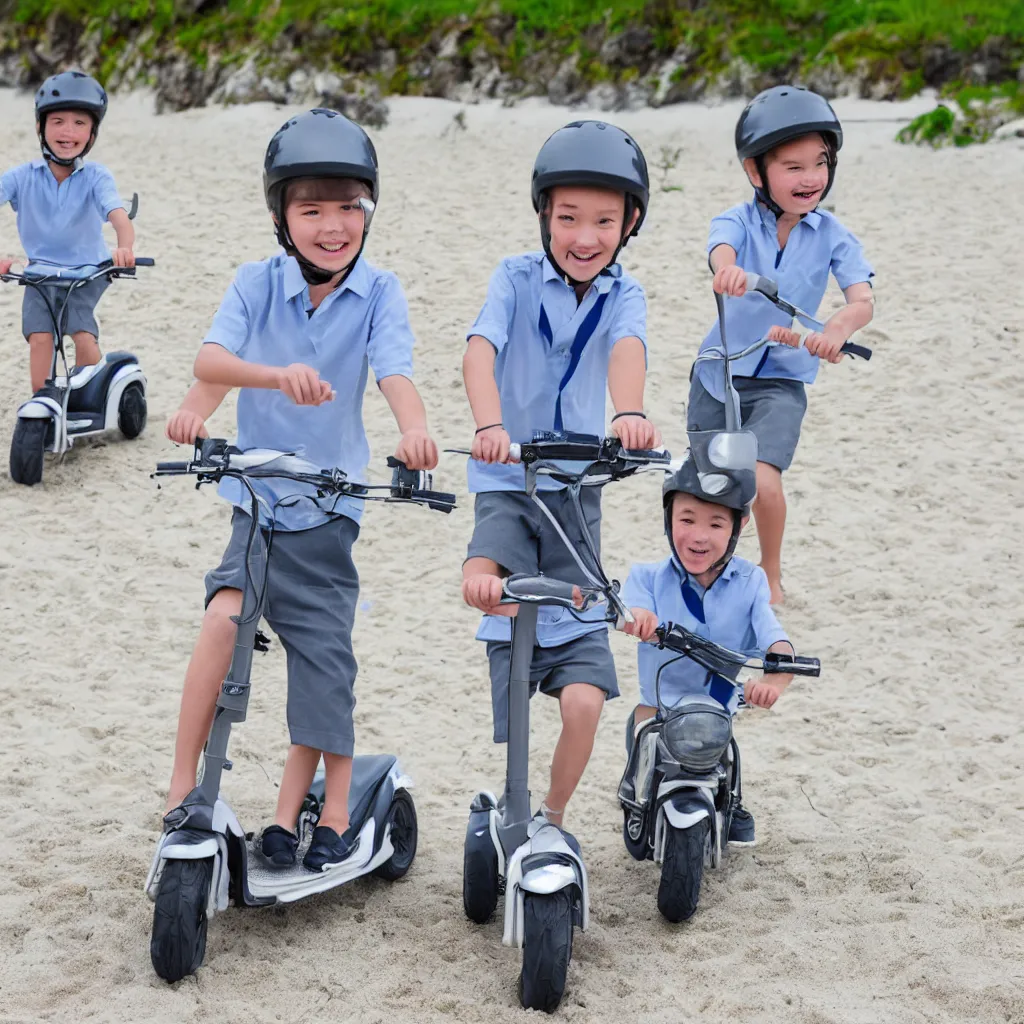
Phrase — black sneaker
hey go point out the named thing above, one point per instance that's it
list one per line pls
(327, 849)
(278, 845)
(741, 828)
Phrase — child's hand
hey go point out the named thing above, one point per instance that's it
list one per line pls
(123, 257)
(731, 280)
(827, 344)
(764, 694)
(185, 426)
(491, 445)
(5, 266)
(302, 384)
(644, 626)
(784, 335)
(636, 433)
(483, 590)
(417, 449)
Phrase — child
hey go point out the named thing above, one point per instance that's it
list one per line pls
(788, 140)
(707, 589)
(62, 202)
(296, 333)
(558, 327)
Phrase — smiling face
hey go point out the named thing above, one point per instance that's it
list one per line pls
(586, 229)
(325, 220)
(797, 173)
(700, 533)
(67, 132)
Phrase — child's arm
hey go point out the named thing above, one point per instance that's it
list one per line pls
(627, 373)
(644, 626)
(770, 637)
(730, 279)
(491, 440)
(301, 383)
(189, 422)
(638, 596)
(123, 255)
(857, 313)
(416, 448)
(767, 690)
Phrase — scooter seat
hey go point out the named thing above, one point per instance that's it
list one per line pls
(92, 395)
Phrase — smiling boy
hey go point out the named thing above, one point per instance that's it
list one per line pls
(62, 202)
(559, 327)
(788, 140)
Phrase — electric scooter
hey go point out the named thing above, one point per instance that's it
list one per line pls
(537, 865)
(205, 859)
(84, 400)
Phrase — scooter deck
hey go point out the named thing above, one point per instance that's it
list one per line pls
(294, 883)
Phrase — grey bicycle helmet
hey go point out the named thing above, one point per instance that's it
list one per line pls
(320, 143)
(596, 154)
(70, 90)
(733, 489)
(782, 114)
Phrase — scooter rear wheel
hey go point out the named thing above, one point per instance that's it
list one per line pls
(179, 919)
(682, 871)
(547, 949)
(404, 833)
(131, 411)
(480, 883)
(27, 446)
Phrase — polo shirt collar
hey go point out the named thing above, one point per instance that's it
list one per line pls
(727, 573)
(42, 163)
(358, 281)
(769, 220)
(601, 283)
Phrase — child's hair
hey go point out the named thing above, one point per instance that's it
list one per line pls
(827, 138)
(325, 190)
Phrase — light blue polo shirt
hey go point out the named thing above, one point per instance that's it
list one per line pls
(736, 613)
(264, 319)
(552, 363)
(61, 224)
(817, 244)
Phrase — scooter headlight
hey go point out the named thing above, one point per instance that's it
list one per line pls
(697, 735)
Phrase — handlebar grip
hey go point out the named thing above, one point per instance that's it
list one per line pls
(173, 467)
(145, 261)
(515, 451)
(440, 500)
(861, 351)
(792, 664)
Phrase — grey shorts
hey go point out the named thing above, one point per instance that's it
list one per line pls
(587, 659)
(771, 408)
(312, 592)
(36, 319)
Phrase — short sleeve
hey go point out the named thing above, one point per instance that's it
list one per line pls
(389, 348)
(104, 191)
(495, 319)
(230, 327)
(637, 591)
(849, 265)
(767, 630)
(9, 188)
(630, 314)
(729, 229)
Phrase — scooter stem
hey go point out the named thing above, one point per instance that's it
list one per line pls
(517, 793)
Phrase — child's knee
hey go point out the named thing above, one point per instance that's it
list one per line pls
(40, 341)
(226, 603)
(581, 704)
(769, 481)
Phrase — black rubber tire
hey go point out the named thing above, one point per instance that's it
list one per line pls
(131, 410)
(480, 882)
(404, 834)
(27, 446)
(682, 871)
(547, 949)
(638, 849)
(179, 919)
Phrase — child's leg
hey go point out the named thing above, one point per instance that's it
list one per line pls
(40, 358)
(642, 713)
(299, 769)
(580, 705)
(770, 516)
(87, 348)
(206, 671)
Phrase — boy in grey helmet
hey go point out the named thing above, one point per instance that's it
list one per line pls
(708, 589)
(297, 334)
(558, 328)
(788, 140)
(62, 203)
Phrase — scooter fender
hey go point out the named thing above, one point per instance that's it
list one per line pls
(544, 864)
(40, 408)
(125, 375)
(684, 808)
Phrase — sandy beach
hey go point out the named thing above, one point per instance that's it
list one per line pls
(888, 884)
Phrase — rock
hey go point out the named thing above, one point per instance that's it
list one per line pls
(181, 84)
(13, 73)
(628, 49)
(605, 96)
(449, 49)
(941, 64)
(274, 89)
(636, 95)
(671, 87)
(299, 82)
(445, 75)
(1011, 130)
(566, 86)
(363, 104)
(326, 83)
(241, 85)
(738, 79)
(830, 81)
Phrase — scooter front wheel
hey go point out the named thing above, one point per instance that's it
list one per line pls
(131, 411)
(682, 871)
(547, 949)
(179, 919)
(27, 446)
(404, 833)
